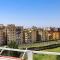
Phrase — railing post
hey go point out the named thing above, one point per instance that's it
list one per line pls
(30, 55)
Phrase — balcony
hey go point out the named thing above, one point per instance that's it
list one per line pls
(28, 52)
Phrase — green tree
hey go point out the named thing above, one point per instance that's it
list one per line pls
(13, 44)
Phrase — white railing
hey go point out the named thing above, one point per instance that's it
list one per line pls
(29, 52)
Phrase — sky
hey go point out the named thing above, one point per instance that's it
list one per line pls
(40, 13)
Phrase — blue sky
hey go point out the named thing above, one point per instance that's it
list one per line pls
(30, 12)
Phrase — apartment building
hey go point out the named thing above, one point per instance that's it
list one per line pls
(27, 36)
(59, 32)
(2, 35)
(53, 34)
(56, 34)
(11, 33)
(34, 35)
(19, 35)
(30, 35)
(42, 34)
(39, 35)
(50, 35)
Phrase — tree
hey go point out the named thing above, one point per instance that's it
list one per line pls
(13, 44)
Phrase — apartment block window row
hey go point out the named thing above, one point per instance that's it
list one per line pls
(27, 35)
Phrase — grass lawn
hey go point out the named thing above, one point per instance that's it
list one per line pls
(47, 57)
(53, 50)
(32, 45)
(41, 44)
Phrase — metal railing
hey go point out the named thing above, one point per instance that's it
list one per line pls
(29, 52)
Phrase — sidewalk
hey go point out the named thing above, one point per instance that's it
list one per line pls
(8, 58)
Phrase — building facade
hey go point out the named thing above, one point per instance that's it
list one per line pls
(30, 35)
(11, 33)
(2, 35)
(19, 34)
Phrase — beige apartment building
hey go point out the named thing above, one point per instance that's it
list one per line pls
(44, 34)
(2, 35)
(27, 36)
(15, 33)
(11, 33)
(54, 34)
(34, 35)
(30, 35)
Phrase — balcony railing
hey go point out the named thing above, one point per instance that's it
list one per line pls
(28, 52)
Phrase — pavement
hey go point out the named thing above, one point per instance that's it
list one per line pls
(9, 58)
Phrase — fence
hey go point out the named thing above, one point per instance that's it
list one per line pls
(29, 52)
